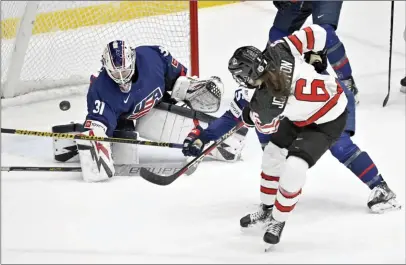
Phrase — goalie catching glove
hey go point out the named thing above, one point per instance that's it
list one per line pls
(200, 95)
(95, 157)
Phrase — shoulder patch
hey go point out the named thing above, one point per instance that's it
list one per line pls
(175, 63)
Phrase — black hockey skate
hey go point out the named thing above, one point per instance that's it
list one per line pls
(350, 84)
(273, 232)
(382, 199)
(261, 215)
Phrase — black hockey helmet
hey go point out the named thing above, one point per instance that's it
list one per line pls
(247, 65)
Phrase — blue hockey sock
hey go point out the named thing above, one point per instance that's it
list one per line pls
(362, 166)
(276, 34)
(336, 54)
(356, 160)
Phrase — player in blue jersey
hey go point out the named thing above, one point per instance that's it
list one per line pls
(291, 16)
(348, 153)
(133, 85)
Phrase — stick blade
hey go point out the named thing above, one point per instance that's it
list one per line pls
(385, 101)
(155, 178)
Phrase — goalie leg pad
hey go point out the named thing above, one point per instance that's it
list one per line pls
(65, 150)
(163, 124)
(95, 157)
(230, 150)
(125, 154)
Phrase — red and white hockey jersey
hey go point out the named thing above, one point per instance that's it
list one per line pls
(315, 98)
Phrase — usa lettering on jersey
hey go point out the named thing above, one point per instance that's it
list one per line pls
(145, 105)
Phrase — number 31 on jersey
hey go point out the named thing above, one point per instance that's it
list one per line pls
(99, 107)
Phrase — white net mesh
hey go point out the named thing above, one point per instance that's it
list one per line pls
(68, 37)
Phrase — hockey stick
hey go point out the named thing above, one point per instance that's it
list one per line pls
(385, 101)
(90, 138)
(166, 180)
(41, 169)
(121, 170)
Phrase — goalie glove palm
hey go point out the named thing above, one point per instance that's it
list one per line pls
(200, 94)
(194, 143)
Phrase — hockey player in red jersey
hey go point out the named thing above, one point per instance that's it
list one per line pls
(302, 120)
(303, 110)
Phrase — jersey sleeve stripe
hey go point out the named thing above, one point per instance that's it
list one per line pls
(321, 112)
(310, 38)
(297, 43)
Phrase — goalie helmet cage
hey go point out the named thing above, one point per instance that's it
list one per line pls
(48, 45)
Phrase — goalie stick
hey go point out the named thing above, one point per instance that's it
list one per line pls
(166, 180)
(41, 169)
(89, 138)
(121, 169)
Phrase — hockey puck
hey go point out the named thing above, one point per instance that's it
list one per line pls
(64, 105)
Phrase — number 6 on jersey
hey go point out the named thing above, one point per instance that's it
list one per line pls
(318, 91)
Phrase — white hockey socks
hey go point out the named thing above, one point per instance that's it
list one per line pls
(273, 162)
(291, 182)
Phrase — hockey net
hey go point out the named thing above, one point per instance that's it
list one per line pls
(65, 43)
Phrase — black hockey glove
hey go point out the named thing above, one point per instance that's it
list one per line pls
(281, 5)
(317, 59)
(246, 117)
(194, 142)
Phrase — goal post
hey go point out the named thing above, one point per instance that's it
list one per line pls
(59, 43)
(20, 46)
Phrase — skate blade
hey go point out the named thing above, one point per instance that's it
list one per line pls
(391, 205)
(268, 247)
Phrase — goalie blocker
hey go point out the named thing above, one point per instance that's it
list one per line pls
(166, 122)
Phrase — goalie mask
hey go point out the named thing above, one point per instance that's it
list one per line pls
(247, 65)
(119, 61)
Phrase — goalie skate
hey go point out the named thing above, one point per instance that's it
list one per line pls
(383, 199)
